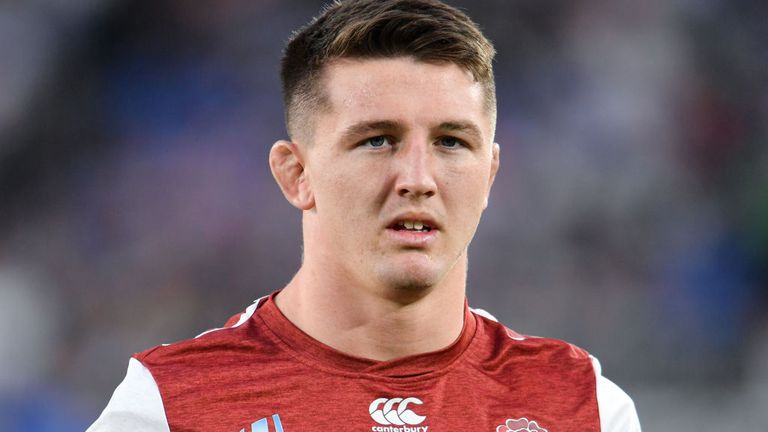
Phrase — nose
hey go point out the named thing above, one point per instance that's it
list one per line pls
(415, 177)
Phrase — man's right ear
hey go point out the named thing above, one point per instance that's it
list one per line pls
(287, 164)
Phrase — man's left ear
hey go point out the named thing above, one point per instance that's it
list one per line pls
(494, 169)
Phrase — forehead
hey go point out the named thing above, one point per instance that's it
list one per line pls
(402, 89)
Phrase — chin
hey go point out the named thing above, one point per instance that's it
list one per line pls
(412, 284)
(411, 278)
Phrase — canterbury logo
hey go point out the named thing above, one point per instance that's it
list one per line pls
(395, 411)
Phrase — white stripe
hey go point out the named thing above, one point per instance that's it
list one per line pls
(483, 313)
(245, 316)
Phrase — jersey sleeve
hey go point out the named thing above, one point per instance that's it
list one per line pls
(617, 410)
(136, 405)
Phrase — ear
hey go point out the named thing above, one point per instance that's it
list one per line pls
(287, 164)
(494, 169)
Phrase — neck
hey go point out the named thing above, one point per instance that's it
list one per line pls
(374, 322)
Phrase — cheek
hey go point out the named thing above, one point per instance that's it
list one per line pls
(464, 198)
(464, 188)
(346, 190)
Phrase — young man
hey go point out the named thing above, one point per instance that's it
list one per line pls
(390, 108)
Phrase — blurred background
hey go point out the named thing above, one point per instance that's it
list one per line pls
(630, 215)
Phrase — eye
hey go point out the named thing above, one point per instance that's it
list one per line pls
(450, 142)
(377, 141)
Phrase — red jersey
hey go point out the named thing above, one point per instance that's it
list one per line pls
(260, 373)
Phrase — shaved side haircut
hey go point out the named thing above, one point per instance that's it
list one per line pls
(426, 30)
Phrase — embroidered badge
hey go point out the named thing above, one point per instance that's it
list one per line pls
(520, 425)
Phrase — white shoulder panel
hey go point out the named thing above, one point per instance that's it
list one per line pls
(617, 411)
(136, 405)
(483, 313)
(245, 316)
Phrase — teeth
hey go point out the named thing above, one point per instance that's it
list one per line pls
(414, 226)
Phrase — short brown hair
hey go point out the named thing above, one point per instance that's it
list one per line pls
(427, 30)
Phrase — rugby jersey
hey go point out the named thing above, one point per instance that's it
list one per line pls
(260, 373)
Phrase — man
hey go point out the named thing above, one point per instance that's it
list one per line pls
(390, 109)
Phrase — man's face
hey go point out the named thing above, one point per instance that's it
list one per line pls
(400, 166)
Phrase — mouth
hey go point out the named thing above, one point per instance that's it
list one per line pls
(413, 231)
(411, 225)
(414, 222)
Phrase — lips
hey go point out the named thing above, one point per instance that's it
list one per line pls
(411, 225)
(414, 222)
(413, 230)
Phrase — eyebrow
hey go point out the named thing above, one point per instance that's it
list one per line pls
(366, 127)
(468, 128)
